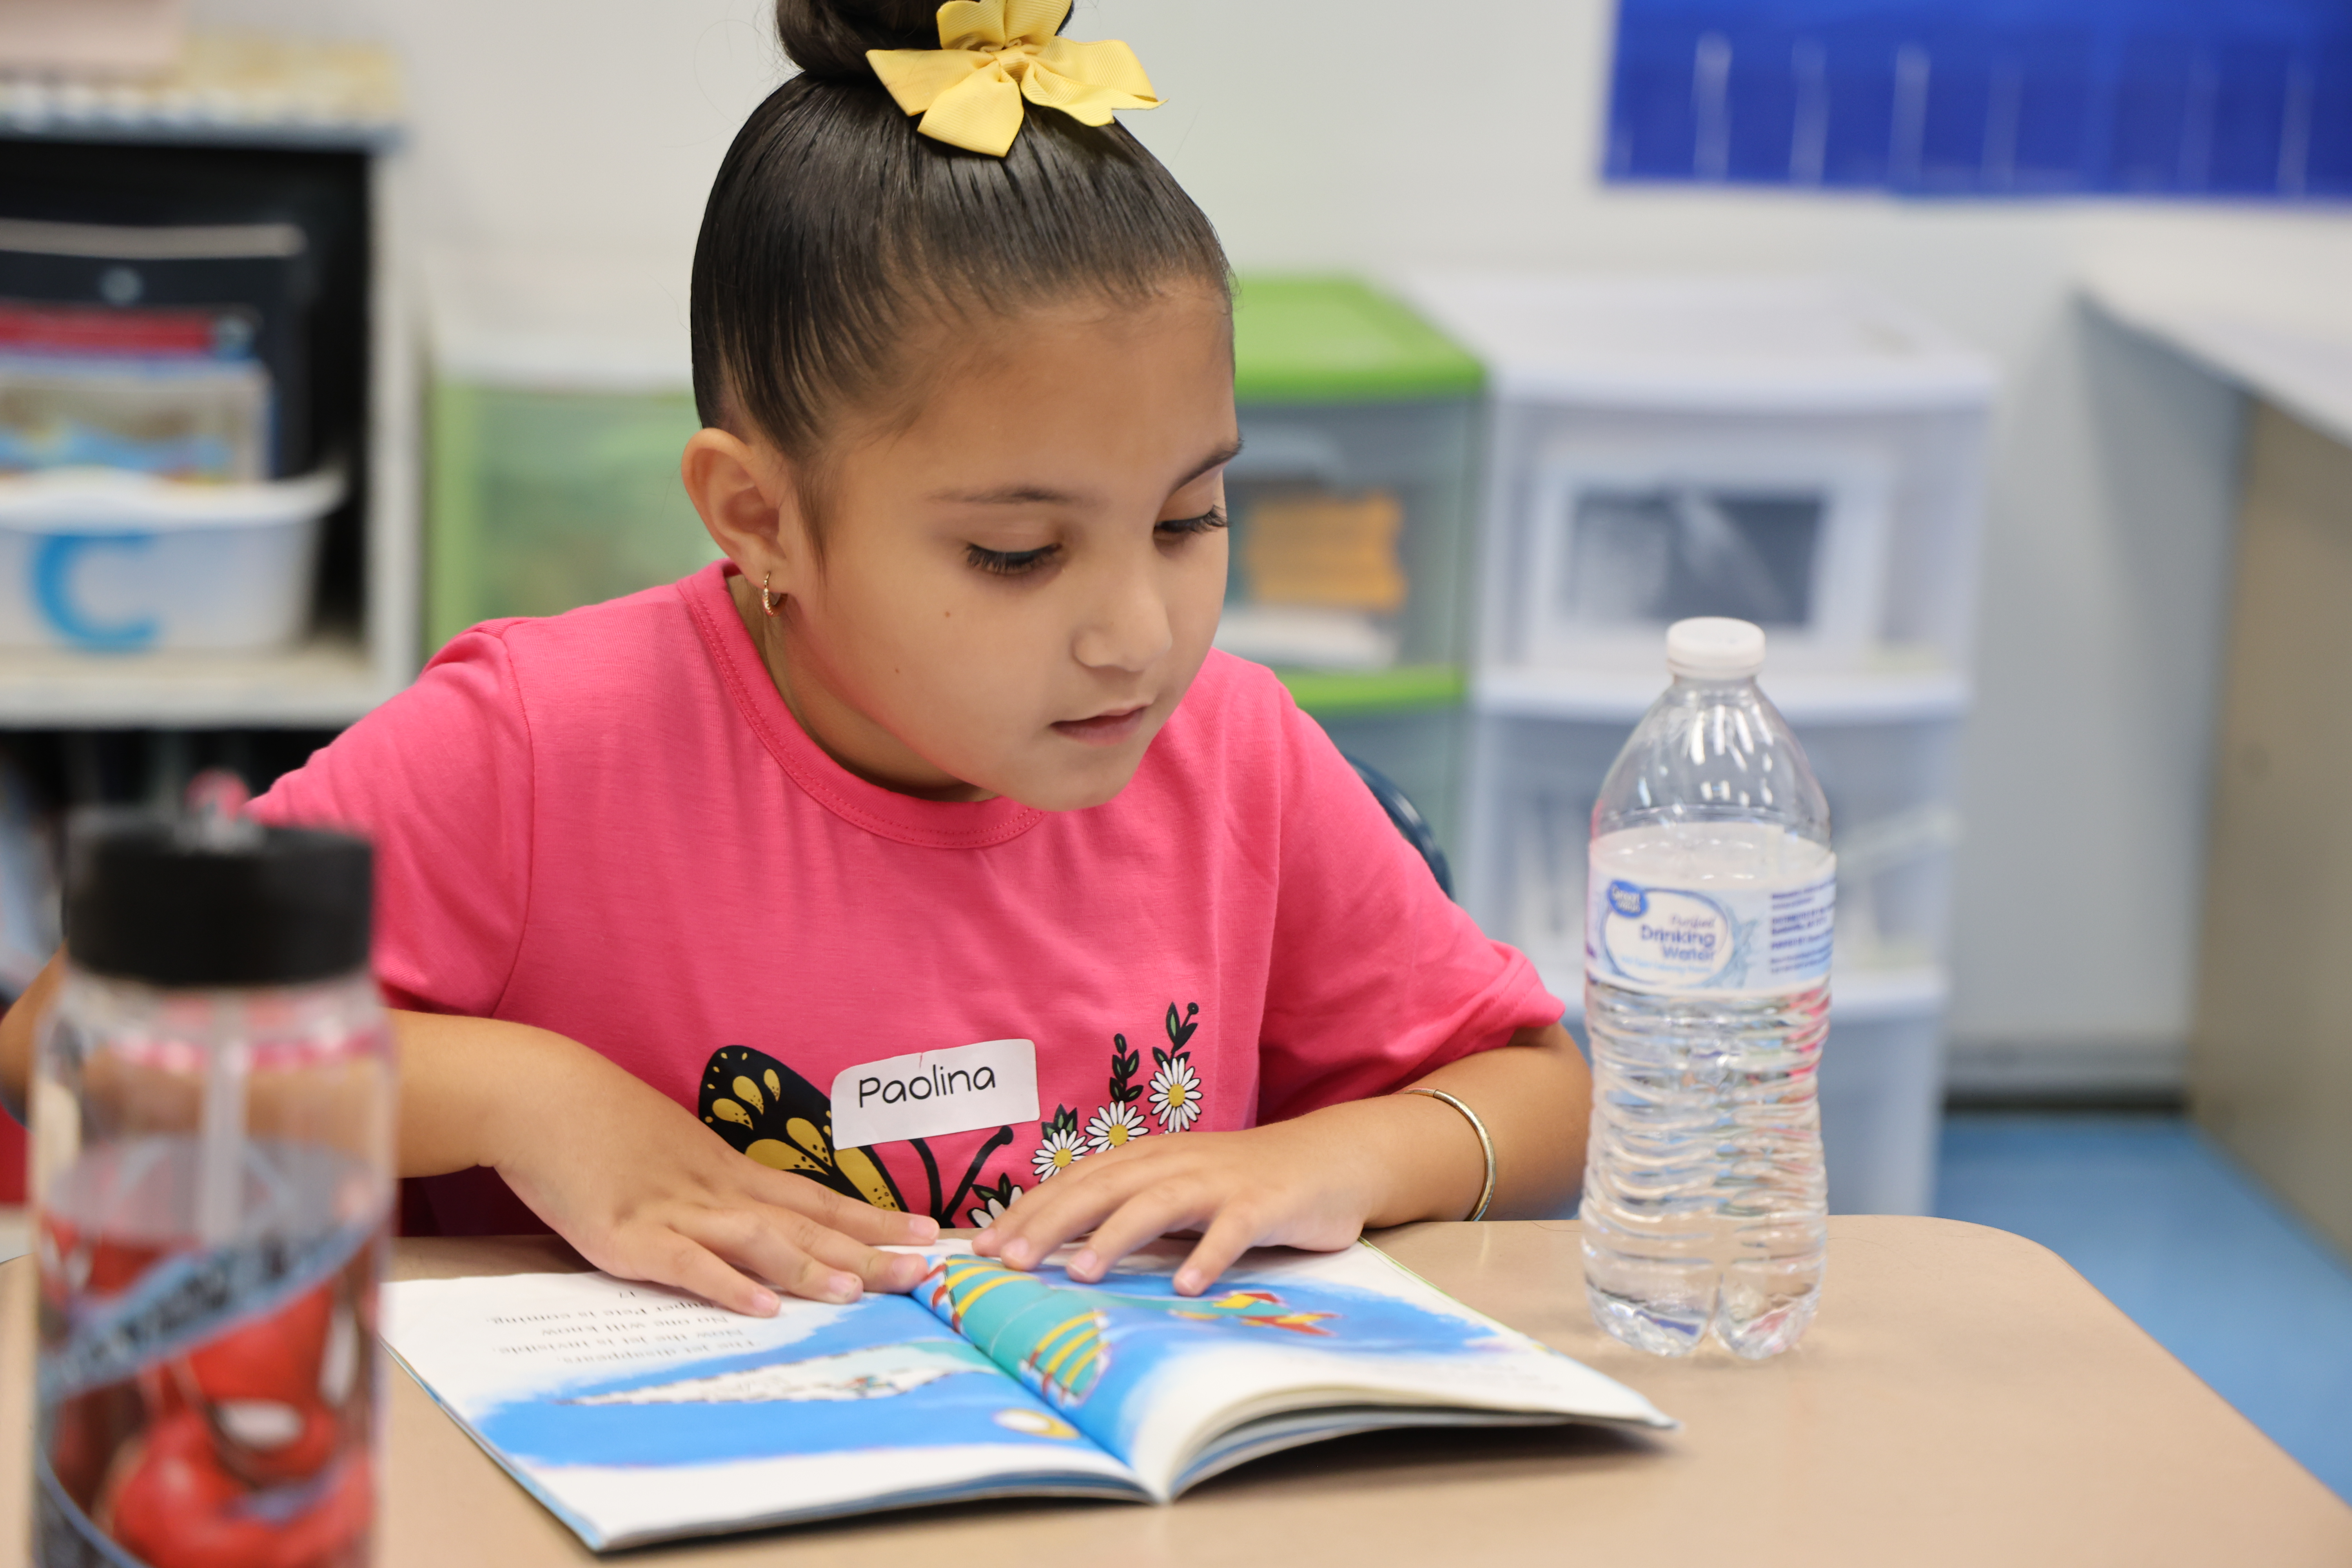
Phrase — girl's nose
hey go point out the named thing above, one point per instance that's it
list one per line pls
(1126, 627)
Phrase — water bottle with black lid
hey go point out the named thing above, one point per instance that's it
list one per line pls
(213, 1104)
(1708, 937)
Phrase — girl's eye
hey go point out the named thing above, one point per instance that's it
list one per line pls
(1208, 521)
(1010, 562)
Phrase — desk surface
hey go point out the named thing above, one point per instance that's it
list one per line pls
(1964, 1399)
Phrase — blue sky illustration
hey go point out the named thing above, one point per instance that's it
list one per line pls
(1146, 1343)
(950, 1410)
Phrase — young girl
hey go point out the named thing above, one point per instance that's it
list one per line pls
(920, 864)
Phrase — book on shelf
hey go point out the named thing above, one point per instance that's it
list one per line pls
(114, 331)
(176, 394)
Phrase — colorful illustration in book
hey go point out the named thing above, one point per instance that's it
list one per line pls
(1059, 1335)
(765, 1110)
(979, 1355)
(877, 1372)
(879, 1375)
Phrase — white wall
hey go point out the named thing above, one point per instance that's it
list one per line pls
(1418, 134)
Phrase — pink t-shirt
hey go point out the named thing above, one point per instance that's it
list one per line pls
(608, 824)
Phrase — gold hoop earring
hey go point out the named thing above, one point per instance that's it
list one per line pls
(768, 600)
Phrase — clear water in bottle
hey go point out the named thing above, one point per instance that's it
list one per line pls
(1706, 1004)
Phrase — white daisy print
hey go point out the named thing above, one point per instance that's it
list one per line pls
(1114, 1125)
(1061, 1147)
(1175, 1093)
(993, 1202)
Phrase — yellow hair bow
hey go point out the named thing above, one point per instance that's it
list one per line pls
(994, 53)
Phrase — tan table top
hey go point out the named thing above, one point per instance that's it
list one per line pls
(1964, 1399)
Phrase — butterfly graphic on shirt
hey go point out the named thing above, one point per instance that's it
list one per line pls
(766, 1110)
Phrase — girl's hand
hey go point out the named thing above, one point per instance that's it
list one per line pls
(1307, 1184)
(629, 1176)
(1321, 1180)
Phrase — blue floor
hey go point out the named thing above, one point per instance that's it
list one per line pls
(2193, 1247)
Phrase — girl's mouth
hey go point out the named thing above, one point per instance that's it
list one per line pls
(1105, 728)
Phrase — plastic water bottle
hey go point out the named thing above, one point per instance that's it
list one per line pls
(213, 1102)
(1707, 1001)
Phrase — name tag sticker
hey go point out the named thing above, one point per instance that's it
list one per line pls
(992, 1084)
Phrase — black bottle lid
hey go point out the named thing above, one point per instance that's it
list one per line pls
(209, 903)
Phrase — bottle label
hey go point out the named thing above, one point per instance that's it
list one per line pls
(1750, 941)
(203, 1401)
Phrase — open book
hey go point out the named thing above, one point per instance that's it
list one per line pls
(638, 1414)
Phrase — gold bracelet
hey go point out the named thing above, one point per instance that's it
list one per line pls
(1487, 1144)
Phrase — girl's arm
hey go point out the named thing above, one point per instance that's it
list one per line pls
(627, 1175)
(618, 1169)
(1321, 1179)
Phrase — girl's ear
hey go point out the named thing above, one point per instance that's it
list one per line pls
(748, 503)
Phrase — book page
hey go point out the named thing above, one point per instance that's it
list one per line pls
(1157, 1379)
(638, 1414)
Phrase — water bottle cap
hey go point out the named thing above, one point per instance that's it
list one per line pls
(1714, 648)
(177, 902)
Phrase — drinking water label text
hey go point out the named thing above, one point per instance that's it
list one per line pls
(1757, 940)
(992, 1084)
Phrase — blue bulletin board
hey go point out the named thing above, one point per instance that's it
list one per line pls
(2229, 99)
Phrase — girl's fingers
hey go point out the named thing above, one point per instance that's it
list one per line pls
(794, 1253)
(1146, 1216)
(755, 1246)
(1042, 1221)
(1233, 1233)
(676, 1260)
(834, 1211)
(875, 1270)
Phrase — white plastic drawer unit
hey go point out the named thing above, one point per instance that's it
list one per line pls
(1624, 539)
(1791, 451)
(1892, 819)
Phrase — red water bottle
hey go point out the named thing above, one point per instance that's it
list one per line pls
(213, 1100)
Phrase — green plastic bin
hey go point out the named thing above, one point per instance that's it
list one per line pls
(544, 499)
(1352, 506)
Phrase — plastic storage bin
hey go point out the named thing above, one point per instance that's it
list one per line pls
(1352, 507)
(562, 399)
(1524, 864)
(1414, 738)
(1791, 451)
(1351, 501)
(97, 561)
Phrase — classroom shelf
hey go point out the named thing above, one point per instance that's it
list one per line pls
(236, 89)
(259, 108)
(328, 680)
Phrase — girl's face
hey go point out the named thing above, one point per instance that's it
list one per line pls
(1018, 583)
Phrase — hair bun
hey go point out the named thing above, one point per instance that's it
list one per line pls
(830, 38)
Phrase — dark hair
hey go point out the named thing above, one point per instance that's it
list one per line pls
(833, 229)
